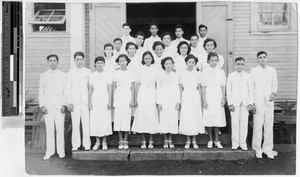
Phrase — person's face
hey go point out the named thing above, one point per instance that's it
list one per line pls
(139, 40)
(122, 62)
(159, 50)
(202, 32)
(108, 50)
(213, 61)
(194, 41)
(153, 30)
(166, 40)
(239, 65)
(52, 63)
(168, 65)
(99, 65)
(262, 60)
(148, 60)
(209, 47)
(131, 50)
(126, 30)
(191, 63)
(79, 61)
(183, 49)
(118, 45)
(178, 32)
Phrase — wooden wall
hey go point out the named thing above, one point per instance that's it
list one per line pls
(281, 49)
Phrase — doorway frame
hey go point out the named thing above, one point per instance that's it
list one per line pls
(229, 19)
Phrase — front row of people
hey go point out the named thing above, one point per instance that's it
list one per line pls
(157, 99)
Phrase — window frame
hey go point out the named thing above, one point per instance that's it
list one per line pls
(60, 22)
(291, 28)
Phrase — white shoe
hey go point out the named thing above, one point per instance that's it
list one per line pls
(275, 153)
(143, 146)
(195, 146)
(258, 155)
(61, 156)
(125, 146)
(151, 145)
(121, 146)
(87, 148)
(234, 147)
(210, 144)
(187, 145)
(270, 155)
(244, 148)
(104, 146)
(218, 144)
(166, 145)
(47, 157)
(74, 149)
(96, 146)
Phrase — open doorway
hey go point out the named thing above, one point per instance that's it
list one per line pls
(166, 15)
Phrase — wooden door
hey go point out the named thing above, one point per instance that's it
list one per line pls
(106, 21)
(217, 16)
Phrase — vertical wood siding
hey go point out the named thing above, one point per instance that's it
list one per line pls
(281, 49)
(87, 35)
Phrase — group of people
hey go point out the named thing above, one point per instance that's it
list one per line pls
(164, 87)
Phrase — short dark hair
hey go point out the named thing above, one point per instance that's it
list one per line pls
(78, 54)
(123, 56)
(182, 43)
(165, 34)
(139, 33)
(202, 26)
(191, 56)
(126, 24)
(147, 53)
(52, 55)
(179, 26)
(163, 61)
(208, 40)
(108, 45)
(157, 43)
(239, 59)
(151, 24)
(194, 35)
(99, 58)
(118, 39)
(129, 44)
(212, 54)
(261, 52)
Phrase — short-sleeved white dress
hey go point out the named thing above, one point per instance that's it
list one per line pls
(214, 79)
(168, 95)
(146, 119)
(100, 116)
(180, 64)
(122, 99)
(191, 122)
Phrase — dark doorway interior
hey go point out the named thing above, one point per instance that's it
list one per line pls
(166, 15)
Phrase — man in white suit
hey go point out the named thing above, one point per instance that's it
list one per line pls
(77, 86)
(240, 100)
(52, 100)
(264, 81)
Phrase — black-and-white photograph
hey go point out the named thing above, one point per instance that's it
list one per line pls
(150, 88)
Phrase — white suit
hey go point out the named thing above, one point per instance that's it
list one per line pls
(78, 96)
(264, 81)
(52, 95)
(148, 44)
(240, 95)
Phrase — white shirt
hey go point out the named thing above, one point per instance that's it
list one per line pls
(239, 89)
(149, 42)
(125, 40)
(52, 89)
(175, 42)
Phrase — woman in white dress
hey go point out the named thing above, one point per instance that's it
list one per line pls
(168, 100)
(209, 45)
(158, 48)
(146, 120)
(110, 59)
(123, 99)
(213, 94)
(135, 60)
(170, 50)
(191, 123)
(183, 49)
(100, 89)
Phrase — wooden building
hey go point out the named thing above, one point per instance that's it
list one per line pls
(240, 29)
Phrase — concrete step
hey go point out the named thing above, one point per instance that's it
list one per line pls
(135, 139)
(178, 153)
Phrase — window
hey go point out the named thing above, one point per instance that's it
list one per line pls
(272, 16)
(49, 17)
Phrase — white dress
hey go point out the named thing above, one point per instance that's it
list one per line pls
(110, 64)
(168, 95)
(100, 116)
(203, 62)
(191, 122)
(122, 99)
(135, 64)
(213, 79)
(180, 64)
(146, 120)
